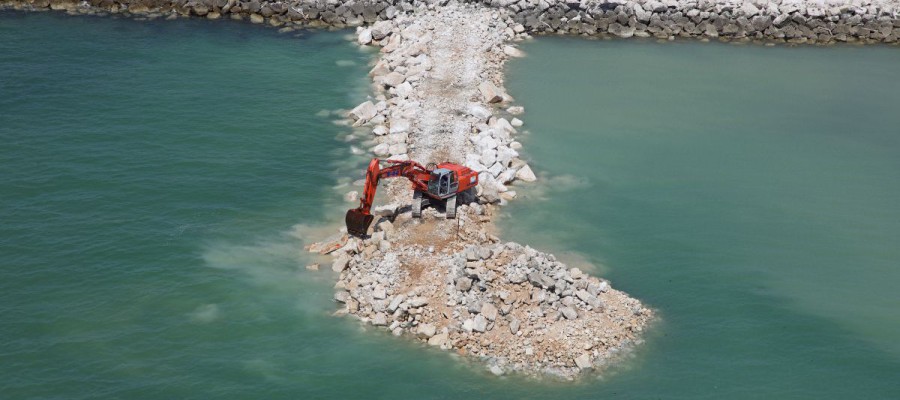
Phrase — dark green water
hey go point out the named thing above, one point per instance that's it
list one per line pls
(750, 194)
(158, 179)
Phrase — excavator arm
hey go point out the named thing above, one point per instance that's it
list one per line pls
(359, 219)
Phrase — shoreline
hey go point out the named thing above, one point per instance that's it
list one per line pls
(438, 95)
(793, 22)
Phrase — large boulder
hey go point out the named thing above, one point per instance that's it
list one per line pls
(365, 36)
(382, 150)
(749, 10)
(364, 112)
(381, 29)
(489, 311)
(439, 339)
(478, 111)
(417, 302)
(480, 323)
(568, 312)
(403, 90)
(490, 92)
(393, 79)
(513, 52)
(399, 125)
(621, 31)
(395, 302)
(340, 263)
(583, 361)
(526, 174)
(425, 331)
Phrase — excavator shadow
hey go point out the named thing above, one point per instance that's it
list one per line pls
(463, 198)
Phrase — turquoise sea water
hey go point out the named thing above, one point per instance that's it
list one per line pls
(158, 179)
(750, 194)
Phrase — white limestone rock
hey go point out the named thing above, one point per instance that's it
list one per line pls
(488, 157)
(488, 142)
(516, 110)
(526, 174)
(393, 79)
(621, 31)
(584, 361)
(490, 93)
(364, 37)
(341, 296)
(417, 302)
(395, 302)
(397, 149)
(381, 29)
(478, 111)
(439, 340)
(513, 52)
(568, 312)
(480, 323)
(340, 263)
(363, 112)
(399, 125)
(425, 331)
(501, 124)
(505, 155)
(496, 169)
(404, 90)
(489, 311)
(382, 150)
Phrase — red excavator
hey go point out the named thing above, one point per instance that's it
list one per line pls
(442, 182)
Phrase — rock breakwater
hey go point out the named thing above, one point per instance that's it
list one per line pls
(780, 21)
(438, 95)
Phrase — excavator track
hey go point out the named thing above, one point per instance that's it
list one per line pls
(451, 206)
(417, 204)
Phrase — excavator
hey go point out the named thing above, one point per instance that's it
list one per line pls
(441, 182)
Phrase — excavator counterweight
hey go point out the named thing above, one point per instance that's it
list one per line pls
(444, 183)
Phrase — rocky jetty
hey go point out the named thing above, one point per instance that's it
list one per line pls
(780, 21)
(509, 305)
(438, 95)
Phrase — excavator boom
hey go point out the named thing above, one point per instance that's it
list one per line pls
(359, 219)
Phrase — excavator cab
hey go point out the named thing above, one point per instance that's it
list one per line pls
(442, 183)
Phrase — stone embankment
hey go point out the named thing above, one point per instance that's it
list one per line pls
(790, 21)
(438, 96)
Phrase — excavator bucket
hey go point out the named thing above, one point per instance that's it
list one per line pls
(357, 222)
